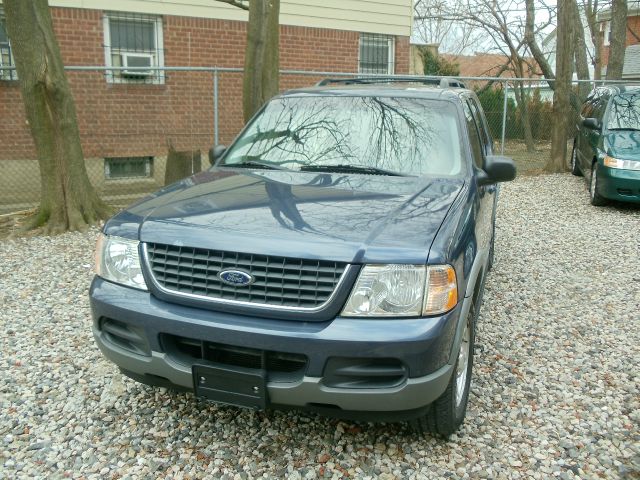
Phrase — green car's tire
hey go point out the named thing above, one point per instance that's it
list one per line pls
(596, 199)
(575, 170)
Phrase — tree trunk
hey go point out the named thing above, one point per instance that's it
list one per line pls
(561, 105)
(181, 165)
(68, 200)
(523, 105)
(618, 39)
(591, 11)
(262, 58)
(530, 39)
(580, 53)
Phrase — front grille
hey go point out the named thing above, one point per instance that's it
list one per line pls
(278, 365)
(279, 281)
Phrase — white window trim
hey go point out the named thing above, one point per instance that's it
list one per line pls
(159, 76)
(391, 45)
(607, 33)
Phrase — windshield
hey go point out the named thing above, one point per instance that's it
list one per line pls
(625, 112)
(377, 135)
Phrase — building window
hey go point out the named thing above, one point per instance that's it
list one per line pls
(128, 167)
(6, 56)
(133, 42)
(377, 54)
(607, 33)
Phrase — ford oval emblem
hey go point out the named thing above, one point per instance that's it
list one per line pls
(236, 278)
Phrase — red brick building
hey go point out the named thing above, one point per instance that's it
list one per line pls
(631, 70)
(128, 118)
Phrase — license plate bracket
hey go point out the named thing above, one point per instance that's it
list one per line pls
(237, 386)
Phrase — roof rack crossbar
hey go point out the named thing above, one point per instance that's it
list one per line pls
(444, 82)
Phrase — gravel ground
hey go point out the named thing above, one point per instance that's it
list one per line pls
(555, 393)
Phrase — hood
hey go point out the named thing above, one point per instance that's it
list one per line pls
(351, 218)
(623, 144)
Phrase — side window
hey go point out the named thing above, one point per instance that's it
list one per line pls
(586, 109)
(600, 107)
(485, 136)
(474, 137)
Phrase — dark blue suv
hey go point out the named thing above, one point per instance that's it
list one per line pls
(333, 259)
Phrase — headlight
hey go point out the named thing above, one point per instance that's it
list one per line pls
(621, 164)
(117, 260)
(402, 291)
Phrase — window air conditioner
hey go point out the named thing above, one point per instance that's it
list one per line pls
(138, 61)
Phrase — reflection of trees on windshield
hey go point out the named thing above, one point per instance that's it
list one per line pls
(397, 133)
(408, 135)
(282, 135)
(625, 112)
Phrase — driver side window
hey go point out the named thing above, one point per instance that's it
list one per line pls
(474, 136)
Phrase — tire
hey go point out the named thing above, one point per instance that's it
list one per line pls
(447, 413)
(596, 199)
(575, 169)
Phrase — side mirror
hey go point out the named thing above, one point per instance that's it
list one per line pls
(497, 169)
(216, 152)
(591, 123)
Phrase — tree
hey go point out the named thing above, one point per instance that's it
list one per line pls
(435, 64)
(67, 199)
(262, 57)
(580, 52)
(561, 104)
(507, 33)
(618, 39)
(450, 34)
(591, 12)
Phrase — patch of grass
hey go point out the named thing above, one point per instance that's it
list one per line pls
(528, 163)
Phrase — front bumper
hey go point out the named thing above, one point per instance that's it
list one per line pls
(618, 184)
(424, 346)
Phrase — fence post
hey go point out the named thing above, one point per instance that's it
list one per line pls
(504, 116)
(216, 139)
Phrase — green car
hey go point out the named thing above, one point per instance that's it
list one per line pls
(606, 149)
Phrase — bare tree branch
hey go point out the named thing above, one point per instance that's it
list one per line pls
(533, 44)
(235, 3)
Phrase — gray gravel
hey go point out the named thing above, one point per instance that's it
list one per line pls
(556, 388)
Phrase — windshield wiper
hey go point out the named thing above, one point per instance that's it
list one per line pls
(350, 169)
(253, 164)
(628, 129)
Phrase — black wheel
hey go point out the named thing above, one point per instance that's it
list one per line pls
(575, 170)
(447, 413)
(596, 199)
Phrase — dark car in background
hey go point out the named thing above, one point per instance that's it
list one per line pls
(333, 259)
(606, 149)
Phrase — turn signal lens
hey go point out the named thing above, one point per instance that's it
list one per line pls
(442, 290)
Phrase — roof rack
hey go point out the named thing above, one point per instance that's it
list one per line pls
(444, 82)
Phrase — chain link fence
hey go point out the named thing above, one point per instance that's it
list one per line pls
(155, 126)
